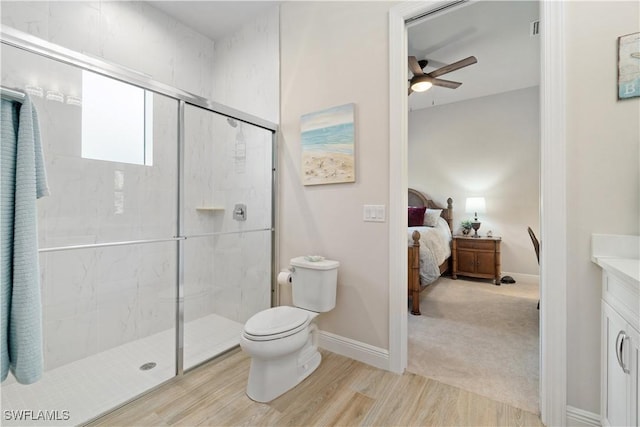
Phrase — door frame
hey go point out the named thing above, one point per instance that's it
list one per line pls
(553, 210)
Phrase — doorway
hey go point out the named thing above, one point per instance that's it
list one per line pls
(479, 139)
(552, 199)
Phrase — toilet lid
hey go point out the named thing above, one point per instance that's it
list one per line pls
(275, 321)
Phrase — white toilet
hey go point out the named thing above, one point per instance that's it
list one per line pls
(282, 341)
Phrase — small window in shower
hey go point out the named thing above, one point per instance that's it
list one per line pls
(117, 121)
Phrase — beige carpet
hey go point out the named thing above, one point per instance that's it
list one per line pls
(479, 337)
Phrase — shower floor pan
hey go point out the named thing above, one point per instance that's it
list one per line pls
(79, 391)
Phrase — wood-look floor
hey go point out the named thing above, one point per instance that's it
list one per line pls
(341, 392)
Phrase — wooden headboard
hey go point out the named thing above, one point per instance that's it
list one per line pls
(416, 198)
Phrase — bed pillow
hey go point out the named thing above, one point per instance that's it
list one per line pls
(416, 216)
(431, 217)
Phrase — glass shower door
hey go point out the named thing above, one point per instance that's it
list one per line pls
(227, 217)
(108, 255)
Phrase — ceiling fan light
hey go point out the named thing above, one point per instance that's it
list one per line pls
(421, 83)
(421, 86)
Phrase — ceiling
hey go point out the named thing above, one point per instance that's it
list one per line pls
(214, 19)
(495, 32)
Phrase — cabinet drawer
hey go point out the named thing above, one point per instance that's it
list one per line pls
(487, 245)
(621, 295)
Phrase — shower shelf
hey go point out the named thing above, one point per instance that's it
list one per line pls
(209, 208)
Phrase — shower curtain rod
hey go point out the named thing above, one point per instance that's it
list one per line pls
(11, 94)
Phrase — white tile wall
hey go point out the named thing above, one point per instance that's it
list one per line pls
(246, 70)
(230, 274)
(98, 299)
(132, 34)
(246, 76)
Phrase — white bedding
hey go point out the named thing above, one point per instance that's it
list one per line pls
(435, 247)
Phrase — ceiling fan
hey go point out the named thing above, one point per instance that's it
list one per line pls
(421, 81)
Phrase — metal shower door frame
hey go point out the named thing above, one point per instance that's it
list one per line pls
(18, 39)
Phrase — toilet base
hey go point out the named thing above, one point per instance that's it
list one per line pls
(270, 378)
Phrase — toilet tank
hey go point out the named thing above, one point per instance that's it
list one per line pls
(314, 284)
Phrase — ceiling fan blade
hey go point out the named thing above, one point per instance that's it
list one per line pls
(445, 83)
(414, 66)
(452, 67)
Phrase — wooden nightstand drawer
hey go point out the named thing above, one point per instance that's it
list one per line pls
(488, 245)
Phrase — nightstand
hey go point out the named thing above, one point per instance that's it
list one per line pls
(476, 257)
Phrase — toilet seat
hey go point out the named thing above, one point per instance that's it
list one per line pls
(275, 323)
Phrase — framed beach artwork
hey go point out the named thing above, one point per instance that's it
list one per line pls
(328, 143)
(629, 66)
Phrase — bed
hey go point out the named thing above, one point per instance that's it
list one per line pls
(429, 246)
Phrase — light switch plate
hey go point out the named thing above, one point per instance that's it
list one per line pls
(374, 213)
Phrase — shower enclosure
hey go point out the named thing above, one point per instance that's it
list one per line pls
(157, 241)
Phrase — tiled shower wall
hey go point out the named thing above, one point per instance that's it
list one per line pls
(228, 274)
(246, 76)
(129, 33)
(246, 70)
(95, 299)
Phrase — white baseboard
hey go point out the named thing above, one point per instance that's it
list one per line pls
(580, 418)
(522, 277)
(362, 352)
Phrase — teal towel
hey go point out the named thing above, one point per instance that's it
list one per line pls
(23, 181)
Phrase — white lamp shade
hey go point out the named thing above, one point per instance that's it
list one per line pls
(475, 204)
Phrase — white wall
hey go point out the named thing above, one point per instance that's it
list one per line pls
(334, 53)
(246, 69)
(603, 183)
(490, 147)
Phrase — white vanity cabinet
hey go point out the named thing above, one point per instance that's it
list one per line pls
(620, 350)
(620, 333)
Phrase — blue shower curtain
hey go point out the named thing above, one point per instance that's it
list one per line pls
(23, 181)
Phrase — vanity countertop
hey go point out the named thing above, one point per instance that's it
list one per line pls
(618, 254)
(627, 267)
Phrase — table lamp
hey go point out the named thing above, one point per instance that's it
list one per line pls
(475, 205)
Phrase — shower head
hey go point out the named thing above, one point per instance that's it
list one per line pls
(232, 122)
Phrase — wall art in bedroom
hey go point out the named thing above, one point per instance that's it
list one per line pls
(629, 66)
(328, 143)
